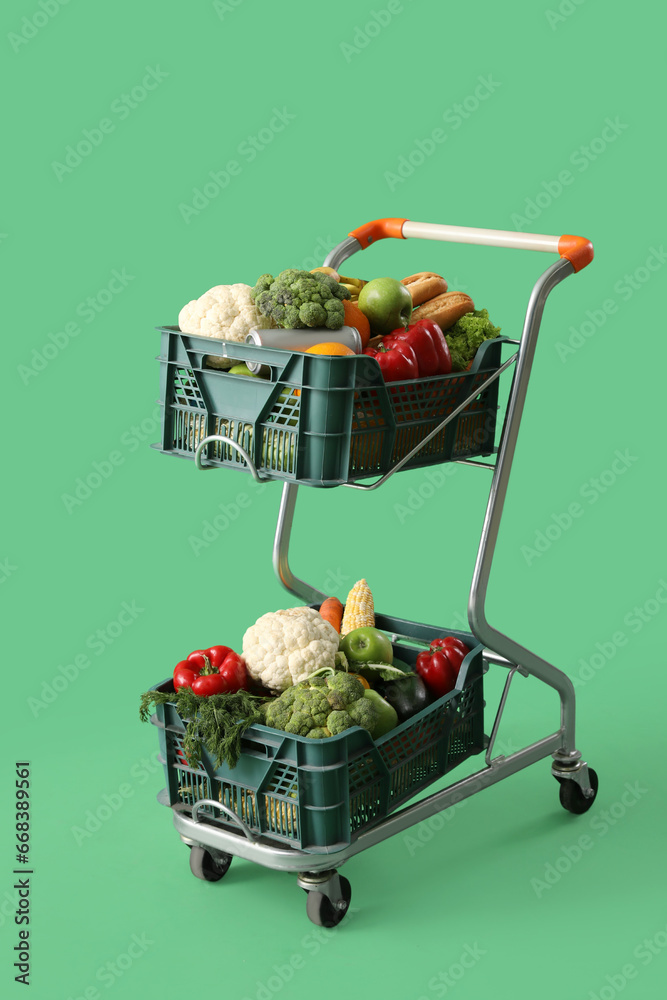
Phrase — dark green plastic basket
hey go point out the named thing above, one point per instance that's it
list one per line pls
(317, 795)
(319, 420)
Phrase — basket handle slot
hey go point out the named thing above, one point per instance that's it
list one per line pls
(256, 748)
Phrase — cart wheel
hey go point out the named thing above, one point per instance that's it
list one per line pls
(203, 865)
(572, 797)
(325, 913)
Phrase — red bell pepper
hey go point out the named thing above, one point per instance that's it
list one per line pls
(215, 655)
(421, 341)
(211, 671)
(439, 666)
(184, 675)
(439, 342)
(233, 669)
(397, 362)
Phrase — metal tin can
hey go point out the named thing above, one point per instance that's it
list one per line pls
(301, 340)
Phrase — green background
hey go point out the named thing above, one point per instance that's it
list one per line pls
(361, 101)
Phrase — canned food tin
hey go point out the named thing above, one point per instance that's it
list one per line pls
(301, 340)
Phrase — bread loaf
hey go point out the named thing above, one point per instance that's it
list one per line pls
(444, 309)
(424, 285)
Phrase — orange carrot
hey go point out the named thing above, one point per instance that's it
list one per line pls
(332, 612)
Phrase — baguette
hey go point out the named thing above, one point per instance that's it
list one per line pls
(424, 285)
(445, 309)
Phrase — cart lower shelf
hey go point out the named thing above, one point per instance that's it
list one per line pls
(318, 795)
(212, 847)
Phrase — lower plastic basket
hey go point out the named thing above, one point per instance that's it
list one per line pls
(319, 420)
(317, 795)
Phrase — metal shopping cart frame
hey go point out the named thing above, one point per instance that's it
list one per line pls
(212, 846)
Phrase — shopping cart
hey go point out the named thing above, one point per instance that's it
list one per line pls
(307, 806)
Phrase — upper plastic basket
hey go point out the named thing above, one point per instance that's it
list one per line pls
(319, 420)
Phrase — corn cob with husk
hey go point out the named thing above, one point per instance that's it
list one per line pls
(359, 611)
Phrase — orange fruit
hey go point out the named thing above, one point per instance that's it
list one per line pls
(332, 348)
(355, 317)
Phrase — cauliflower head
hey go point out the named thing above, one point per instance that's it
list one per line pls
(321, 707)
(285, 647)
(226, 312)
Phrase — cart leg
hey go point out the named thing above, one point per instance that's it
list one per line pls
(329, 896)
(492, 637)
(281, 542)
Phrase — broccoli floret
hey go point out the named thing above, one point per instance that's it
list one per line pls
(322, 706)
(278, 714)
(300, 724)
(291, 319)
(298, 299)
(289, 275)
(312, 314)
(335, 314)
(326, 283)
(264, 302)
(314, 702)
(262, 284)
(363, 713)
(289, 696)
(333, 286)
(349, 688)
(303, 287)
(338, 722)
(283, 296)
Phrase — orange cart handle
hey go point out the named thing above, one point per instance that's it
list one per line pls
(577, 249)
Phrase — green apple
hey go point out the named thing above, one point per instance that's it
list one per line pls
(363, 645)
(386, 303)
(242, 369)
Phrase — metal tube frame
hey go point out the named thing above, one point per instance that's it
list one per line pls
(501, 649)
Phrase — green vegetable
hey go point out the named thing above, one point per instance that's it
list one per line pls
(242, 369)
(382, 671)
(297, 300)
(322, 706)
(218, 721)
(387, 716)
(467, 335)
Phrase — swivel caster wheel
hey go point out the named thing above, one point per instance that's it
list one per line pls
(572, 796)
(328, 899)
(207, 867)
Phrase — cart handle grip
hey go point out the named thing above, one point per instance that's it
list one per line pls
(577, 249)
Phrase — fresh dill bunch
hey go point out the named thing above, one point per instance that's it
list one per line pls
(217, 722)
